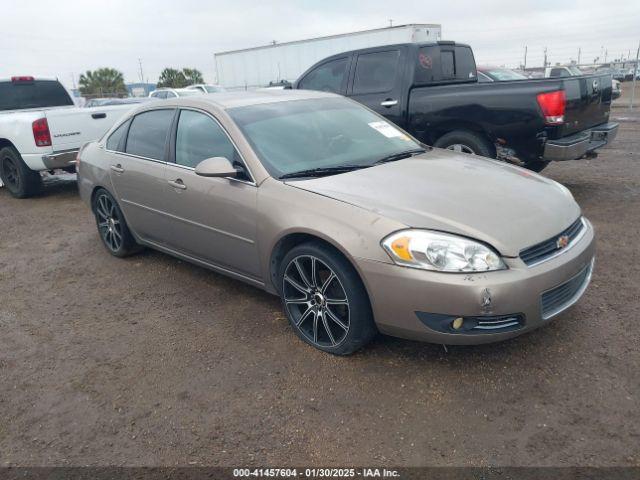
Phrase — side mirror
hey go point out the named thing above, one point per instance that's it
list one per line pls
(216, 167)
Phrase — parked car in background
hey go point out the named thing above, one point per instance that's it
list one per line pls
(616, 91)
(41, 129)
(355, 224)
(206, 88)
(614, 72)
(164, 93)
(432, 91)
(497, 74)
(101, 102)
(628, 74)
(562, 71)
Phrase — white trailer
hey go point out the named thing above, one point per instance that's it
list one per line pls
(258, 66)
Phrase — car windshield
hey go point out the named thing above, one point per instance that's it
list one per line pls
(213, 89)
(321, 133)
(575, 71)
(188, 93)
(503, 74)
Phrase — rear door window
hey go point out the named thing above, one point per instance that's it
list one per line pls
(328, 77)
(115, 139)
(438, 63)
(376, 72)
(148, 134)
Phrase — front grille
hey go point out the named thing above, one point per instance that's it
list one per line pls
(544, 250)
(563, 296)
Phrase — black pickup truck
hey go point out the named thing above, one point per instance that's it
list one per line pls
(432, 91)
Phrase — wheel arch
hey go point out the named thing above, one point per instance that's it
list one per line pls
(7, 143)
(291, 239)
(439, 130)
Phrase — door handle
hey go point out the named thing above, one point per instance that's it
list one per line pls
(98, 115)
(117, 168)
(178, 184)
(389, 103)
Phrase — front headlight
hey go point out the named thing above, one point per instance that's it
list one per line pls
(441, 252)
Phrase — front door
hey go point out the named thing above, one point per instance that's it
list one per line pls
(375, 83)
(214, 218)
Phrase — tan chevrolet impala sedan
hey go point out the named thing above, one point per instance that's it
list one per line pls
(357, 226)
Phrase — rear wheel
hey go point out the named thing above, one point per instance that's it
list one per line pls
(113, 229)
(325, 300)
(20, 180)
(466, 142)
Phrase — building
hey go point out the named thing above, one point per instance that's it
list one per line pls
(284, 62)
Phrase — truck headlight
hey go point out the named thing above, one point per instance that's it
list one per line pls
(441, 252)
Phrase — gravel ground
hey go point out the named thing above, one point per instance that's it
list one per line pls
(153, 361)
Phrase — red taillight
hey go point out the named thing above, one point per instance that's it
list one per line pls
(22, 79)
(552, 105)
(41, 132)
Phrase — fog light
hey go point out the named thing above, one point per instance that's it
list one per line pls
(457, 323)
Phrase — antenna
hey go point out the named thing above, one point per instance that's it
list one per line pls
(140, 73)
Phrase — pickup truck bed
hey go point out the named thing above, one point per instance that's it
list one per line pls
(431, 90)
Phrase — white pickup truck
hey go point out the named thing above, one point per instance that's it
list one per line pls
(41, 129)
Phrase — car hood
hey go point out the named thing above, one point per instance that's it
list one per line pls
(505, 206)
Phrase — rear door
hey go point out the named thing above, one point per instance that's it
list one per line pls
(213, 219)
(138, 151)
(376, 82)
(588, 102)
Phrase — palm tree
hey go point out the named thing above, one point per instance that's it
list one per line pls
(102, 82)
(172, 78)
(192, 75)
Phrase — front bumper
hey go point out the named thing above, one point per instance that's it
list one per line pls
(580, 144)
(407, 301)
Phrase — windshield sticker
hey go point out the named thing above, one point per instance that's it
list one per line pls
(387, 130)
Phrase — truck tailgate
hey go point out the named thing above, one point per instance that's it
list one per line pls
(72, 127)
(588, 102)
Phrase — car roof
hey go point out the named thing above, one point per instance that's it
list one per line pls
(226, 100)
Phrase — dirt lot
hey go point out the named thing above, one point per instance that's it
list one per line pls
(153, 361)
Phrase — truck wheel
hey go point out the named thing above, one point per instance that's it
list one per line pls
(21, 181)
(466, 142)
(536, 165)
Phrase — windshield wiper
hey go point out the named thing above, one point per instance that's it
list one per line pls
(322, 171)
(399, 156)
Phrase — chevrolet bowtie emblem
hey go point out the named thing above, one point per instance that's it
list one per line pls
(562, 241)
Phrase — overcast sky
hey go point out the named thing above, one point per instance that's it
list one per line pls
(62, 38)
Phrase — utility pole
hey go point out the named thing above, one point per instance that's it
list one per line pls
(579, 52)
(73, 80)
(545, 57)
(635, 74)
(141, 74)
(391, 22)
(525, 58)
(606, 52)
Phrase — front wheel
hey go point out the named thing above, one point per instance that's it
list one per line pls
(113, 229)
(325, 300)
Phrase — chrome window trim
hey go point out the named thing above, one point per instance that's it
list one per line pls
(585, 226)
(195, 109)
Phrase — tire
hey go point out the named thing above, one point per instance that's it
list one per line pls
(329, 310)
(20, 180)
(536, 165)
(468, 141)
(112, 227)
